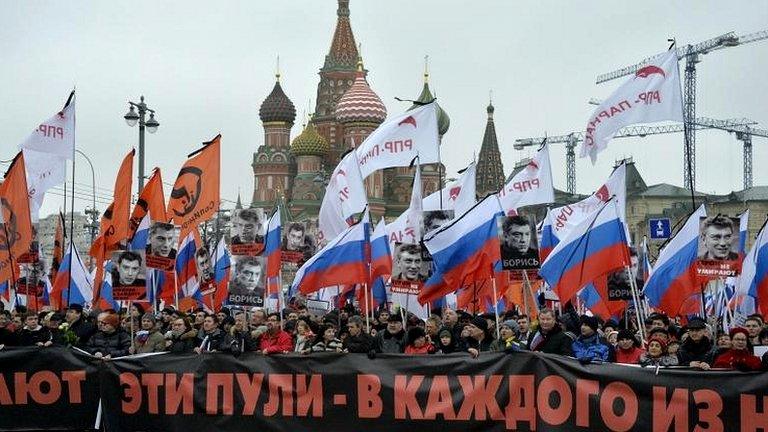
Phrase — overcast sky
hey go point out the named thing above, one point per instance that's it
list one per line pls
(207, 66)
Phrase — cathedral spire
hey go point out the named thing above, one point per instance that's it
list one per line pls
(343, 54)
(490, 170)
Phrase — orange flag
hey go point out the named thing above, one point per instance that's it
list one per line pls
(195, 195)
(114, 221)
(151, 200)
(15, 221)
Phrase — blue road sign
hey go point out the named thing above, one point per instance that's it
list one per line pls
(659, 228)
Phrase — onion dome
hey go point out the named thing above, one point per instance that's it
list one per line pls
(277, 107)
(360, 103)
(443, 121)
(310, 143)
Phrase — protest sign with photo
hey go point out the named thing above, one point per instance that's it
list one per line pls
(246, 286)
(409, 268)
(161, 246)
(247, 231)
(718, 248)
(128, 275)
(519, 243)
(298, 243)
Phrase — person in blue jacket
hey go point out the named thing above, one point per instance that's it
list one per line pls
(589, 346)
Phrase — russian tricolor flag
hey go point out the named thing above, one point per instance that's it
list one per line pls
(594, 248)
(464, 250)
(754, 273)
(381, 257)
(106, 299)
(548, 238)
(186, 268)
(75, 286)
(342, 261)
(743, 227)
(674, 279)
(140, 237)
(272, 247)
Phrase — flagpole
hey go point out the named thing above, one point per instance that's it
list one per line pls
(176, 289)
(495, 305)
(72, 202)
(367, 309)
(130, 314)
(12, 282)
(635, 298)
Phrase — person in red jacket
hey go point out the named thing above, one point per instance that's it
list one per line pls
(417, 342)
(740, 355)
(628, 349)
(275, 340)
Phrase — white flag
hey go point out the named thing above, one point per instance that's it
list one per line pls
(565, 218)
(652, 94)
(46, 150)
(532, 185)
(407, 227)
(458, 195)
(399, 140)
(345, 196)
(55, 135)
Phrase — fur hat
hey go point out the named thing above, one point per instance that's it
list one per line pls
(590, 321)
(480, 323)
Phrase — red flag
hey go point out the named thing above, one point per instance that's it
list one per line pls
(195, 195)
(15, 221)
(151, 200)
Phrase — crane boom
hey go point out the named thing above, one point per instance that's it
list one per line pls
(743, 127)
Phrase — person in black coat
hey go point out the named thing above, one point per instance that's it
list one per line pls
(79, 325)
(8, 337)
(549, 337)
(33, 334)
(210, 338)
(181, 337)
(110, 341)
(696, 350)
(357, 341)
(238, 339)
(391, 340)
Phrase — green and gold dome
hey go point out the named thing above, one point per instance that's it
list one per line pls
(310, 143)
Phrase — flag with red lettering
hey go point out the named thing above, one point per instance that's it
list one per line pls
(652, 94)
(344, 197)
(151, 201)
(401, 139)
(458, 195)
(408, 226)
(46, 151)
(195, 194)
(15, 221)
(532, 185)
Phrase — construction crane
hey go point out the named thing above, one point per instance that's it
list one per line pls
(692, 55)
(742, 127)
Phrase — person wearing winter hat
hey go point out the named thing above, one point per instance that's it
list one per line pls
(479, 339)
(392, 339)
(508, 331)
(740, 355)
(111, 340)
(417, 343)
(589, 346)
(446, 342)
(657, 354)
(628, 349)
(148, 339)
(697, 347)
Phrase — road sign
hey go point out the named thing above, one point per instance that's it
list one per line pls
(659, 228)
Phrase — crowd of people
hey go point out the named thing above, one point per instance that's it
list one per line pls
(111, 334)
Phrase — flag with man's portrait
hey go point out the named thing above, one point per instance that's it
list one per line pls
(195, 194)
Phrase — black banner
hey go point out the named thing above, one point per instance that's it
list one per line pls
(47, 389)
(520, 391)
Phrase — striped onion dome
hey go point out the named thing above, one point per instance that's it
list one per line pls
(310, 143)
(359, 103)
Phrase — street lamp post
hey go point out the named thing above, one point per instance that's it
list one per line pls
(92, 212)
(131, 118)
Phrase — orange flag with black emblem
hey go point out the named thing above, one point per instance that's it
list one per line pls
(15, 221)
(151, 200)
(195, 195)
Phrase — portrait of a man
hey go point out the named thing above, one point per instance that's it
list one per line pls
(247, 226)
(409, 264)
(519, 247)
